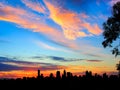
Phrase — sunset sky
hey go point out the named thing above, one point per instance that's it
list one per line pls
(53, 35)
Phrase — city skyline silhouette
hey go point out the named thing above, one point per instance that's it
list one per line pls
(54, 35)
(60, 44)
(66, 80)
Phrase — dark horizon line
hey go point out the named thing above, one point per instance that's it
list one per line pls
(66, 74)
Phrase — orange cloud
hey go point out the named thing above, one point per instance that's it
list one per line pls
(30, 21)
(72, 24)
(93, 29)
(73, 34)
(33, 22)
(26, 20)
(35, 5)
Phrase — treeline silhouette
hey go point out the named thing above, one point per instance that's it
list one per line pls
(66, 81)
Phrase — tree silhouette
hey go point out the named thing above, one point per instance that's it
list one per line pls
(118, 68)
(112, 30)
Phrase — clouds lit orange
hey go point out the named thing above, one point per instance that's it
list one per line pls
(53, 35)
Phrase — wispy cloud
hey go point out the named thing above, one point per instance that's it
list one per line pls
(75, 27)
(72, 29)
(5, 67)
(33, 22)
(94, 55)
(8, 64)
(51, 47)
(94, 60)
(28, 20)
(36, 5)
(44, 45)
(57, 58)
(63, 59)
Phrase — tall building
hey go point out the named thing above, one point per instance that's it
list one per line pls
(38, 73)
(64, 73)
(58, 74)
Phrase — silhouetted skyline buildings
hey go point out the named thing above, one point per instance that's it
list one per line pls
(68, 75)
(38, 73)
(66, 80)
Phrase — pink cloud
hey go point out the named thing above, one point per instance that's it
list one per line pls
(33, 22)
(72, 23)
(27, 20)
(93, 29)
(36, 5)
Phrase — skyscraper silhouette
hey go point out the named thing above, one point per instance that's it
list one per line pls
(64, 73)
(58, 74)
(38, 74)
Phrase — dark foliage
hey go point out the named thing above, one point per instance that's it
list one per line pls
(112, 29)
